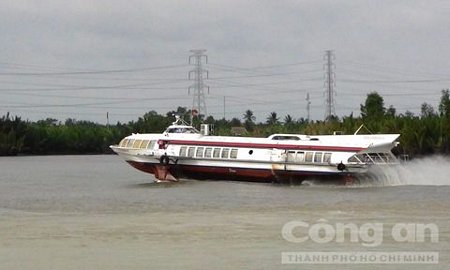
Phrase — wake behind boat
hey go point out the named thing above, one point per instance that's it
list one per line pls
(183, 152)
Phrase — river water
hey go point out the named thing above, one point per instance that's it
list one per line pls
(96, 212)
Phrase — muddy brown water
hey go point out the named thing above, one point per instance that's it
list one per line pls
(96, 212)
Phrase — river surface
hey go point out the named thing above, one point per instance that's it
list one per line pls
(96, 212)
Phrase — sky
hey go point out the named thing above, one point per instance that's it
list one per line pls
(86, 58)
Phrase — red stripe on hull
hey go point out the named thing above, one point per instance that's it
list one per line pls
(145, 167)
(268, 146)
(238, 174)
(226, 173)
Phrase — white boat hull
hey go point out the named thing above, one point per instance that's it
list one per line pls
(278, 158)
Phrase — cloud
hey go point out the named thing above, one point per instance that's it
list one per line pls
(407, 38)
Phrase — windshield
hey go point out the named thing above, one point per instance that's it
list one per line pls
(181, 130)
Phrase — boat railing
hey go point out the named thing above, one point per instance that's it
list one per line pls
(373, 158)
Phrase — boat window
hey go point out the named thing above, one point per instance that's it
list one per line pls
(376, 158)
(208, 152)
(183, 151)
(318, 157)
(151, 145)
(308, 156)
(354, 159)
(130, 143)
(233, 153)
(175, 130)
(137, 143)
(191, 151)
(365, 158)
(382, 157)
(199, 152)
(216, 152)
(285, 137)
(290, 156)
(300, 156)
(144, 143)
(123, 143)
(181, 130)
(386, 157)
(327, 158)
(225, 152)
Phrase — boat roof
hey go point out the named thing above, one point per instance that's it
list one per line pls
(182, 133)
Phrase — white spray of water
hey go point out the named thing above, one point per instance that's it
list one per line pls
(431, 171)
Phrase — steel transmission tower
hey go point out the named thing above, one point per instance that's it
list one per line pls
(329, 84)
(197, 75)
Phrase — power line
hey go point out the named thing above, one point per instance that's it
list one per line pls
(266, 75)
(391, 70)
(32, 105)
(255, 68)
(87, 72)
(396, 81)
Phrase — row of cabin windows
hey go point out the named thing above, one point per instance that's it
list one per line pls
(131, 143)
(316, 157)
(208, 152)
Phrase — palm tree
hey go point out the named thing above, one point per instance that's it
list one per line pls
(272, 119)
(249, 120)
(288, 119)
(249, 117)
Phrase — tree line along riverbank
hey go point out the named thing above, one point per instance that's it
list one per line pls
(423, 134)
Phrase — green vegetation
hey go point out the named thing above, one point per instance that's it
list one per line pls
(428, 133)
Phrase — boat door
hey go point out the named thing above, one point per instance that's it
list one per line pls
(278, 159)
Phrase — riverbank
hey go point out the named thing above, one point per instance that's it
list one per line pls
(426, 134)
